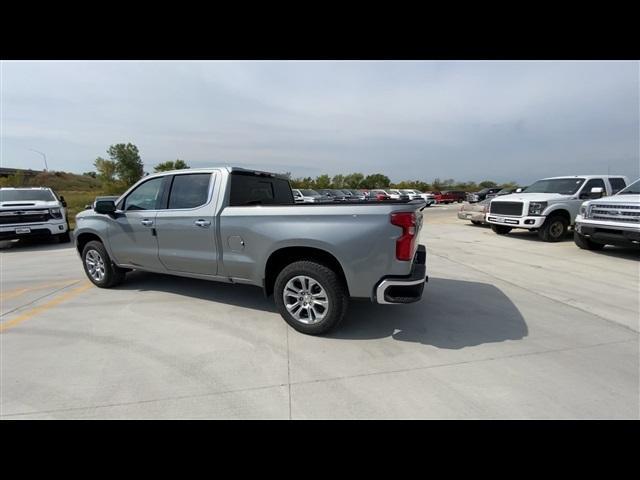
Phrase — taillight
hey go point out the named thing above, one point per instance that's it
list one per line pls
(404, 244)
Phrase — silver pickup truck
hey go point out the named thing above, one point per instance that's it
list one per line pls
(241, 226)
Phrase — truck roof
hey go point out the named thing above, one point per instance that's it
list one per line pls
(218, 168)
(25, 188)
(585, 176)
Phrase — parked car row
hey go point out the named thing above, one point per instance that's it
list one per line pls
(328, 195)
(601, 210)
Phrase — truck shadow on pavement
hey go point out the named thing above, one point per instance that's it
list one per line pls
(31, 245)
(452, 314)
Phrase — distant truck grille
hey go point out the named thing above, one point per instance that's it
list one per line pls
(10, 217)
(507, 208)
(615, 213)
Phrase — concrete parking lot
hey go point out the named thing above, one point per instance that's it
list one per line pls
(509, 327)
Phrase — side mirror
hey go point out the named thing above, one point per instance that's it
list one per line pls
(518, 190)
(596, 192)
(106, 207)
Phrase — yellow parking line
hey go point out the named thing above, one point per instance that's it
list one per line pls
(46, 306)
(16, 293)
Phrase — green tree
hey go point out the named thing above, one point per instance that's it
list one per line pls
(129, 165)
(90, 174)
(323, 181)
(437, 184)
(106, 169)
(511, 184)
(337, 181)
(171, 165)
(487, 184)
(353, 180)
(376, 180)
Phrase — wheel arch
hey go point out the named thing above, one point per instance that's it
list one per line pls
(282, 257)
(561, 211)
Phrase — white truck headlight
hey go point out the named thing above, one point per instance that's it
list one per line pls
(55, 212)
(536, 208)
(584, 211)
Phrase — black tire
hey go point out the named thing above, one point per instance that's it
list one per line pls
(331, 283)
(586, 243)
(476, 222)
(554, 229)
(500, 229)
(112, 276)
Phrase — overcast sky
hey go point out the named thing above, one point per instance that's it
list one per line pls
(409, 120)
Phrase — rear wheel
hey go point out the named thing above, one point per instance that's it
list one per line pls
(98, 266)
(500, 229)
(310, 297)
(554, 229)
(586, 243)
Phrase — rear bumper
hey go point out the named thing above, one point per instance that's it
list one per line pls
(404, 289)
(472, 216)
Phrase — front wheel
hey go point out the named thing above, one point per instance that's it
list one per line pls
(554, 229)
(586, 243)
(476, 222)
(98, 266)
(310, 297)
(500, 229)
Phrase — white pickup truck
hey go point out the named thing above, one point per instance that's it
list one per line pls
(33, 212)
(549, 206)
(610, 221)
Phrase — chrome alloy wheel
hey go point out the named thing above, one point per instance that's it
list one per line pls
(305, 299)
(95, 265)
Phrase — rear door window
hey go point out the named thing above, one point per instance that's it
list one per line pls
(256, 189)
(189, 190)
(617, 184)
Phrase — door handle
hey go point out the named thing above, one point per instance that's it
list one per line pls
(146, 222)
(202, 223)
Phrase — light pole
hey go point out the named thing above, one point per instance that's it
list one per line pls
(46, 168)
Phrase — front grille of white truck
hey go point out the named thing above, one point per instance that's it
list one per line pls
(507, 208)
(615, 213)
(9, 217)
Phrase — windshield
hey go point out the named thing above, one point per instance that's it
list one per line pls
(633, 189)
(564, 186)
(26, 195)
(309, 193)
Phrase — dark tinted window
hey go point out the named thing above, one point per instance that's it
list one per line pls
(253, 189)
(21, 195)
(146, 196)
(189, 191)
(593, 183)
(617, 184)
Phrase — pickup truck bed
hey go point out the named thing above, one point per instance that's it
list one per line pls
(244, 227)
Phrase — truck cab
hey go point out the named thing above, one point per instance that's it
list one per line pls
(550, 206)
